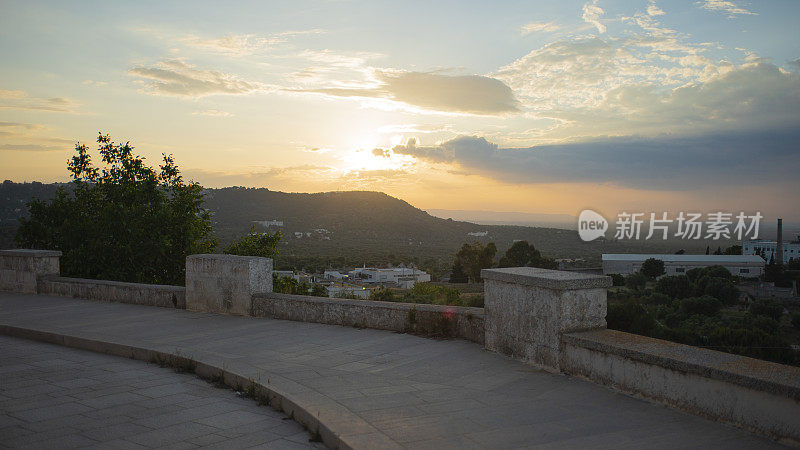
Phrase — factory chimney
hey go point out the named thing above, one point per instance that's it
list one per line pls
(779, 246)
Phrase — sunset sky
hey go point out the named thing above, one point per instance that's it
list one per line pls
(544, 107)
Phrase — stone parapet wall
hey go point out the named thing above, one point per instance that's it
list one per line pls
(114, 291)
(21, 268)
(528, 309)
(761, 396)
(225, 283)
(430, 320)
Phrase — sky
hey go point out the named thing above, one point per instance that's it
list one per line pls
(530, 106)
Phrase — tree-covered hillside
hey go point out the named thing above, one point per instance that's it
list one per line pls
(336, 229)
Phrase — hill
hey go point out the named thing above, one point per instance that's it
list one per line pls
(336, 229)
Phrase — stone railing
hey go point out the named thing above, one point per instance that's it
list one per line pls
(761, 396)
(552, 319)
(556, 320)
(114, 291)
(20, 270)
(428, 320)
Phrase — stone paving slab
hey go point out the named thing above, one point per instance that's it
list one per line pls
(378, 389)
(80, 411)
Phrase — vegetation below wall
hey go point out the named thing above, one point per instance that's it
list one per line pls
(429, 293)
(704, 308)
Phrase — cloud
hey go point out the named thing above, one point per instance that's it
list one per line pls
(245, 44)
(533, 27)
(94, 83)
(20, 100)
(654, 10)
(381, 152)
(664, 162)
(31, 147)
(173, 77)
(724, 6)
(30, 137)
(592, 14)
(649, 81)
(473, 94)
(211, 112)
(18, 125)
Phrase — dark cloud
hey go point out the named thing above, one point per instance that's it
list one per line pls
(473, 94)
(664, 163)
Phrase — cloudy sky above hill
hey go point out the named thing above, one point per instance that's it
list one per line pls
(546, 107)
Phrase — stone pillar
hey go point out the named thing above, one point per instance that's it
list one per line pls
(19, 269)
(225, 283)
(528, 309)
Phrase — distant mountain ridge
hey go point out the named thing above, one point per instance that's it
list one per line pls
(354, 228)
(564, 221)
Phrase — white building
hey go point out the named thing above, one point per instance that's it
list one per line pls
(767, 248)
(747, 266)
(406, 278)
(337, 289)
(269, 223)
(333, 275)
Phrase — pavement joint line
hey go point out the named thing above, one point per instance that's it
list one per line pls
(279, 400)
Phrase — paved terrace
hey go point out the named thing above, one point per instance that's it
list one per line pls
(58, 397)
(378, 389)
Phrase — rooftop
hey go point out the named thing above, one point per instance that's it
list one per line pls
(719, 259)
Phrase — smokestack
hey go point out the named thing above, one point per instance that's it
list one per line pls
(779, 247)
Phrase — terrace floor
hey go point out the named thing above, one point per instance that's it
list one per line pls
(58, 397)
(379, 389)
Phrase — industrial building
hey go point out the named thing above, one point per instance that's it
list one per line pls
(747, 266)
(403, 277)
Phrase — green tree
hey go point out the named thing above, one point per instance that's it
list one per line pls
(635, 281)
(383, 294)
(522, 254)
(475, 257)
(617, 279)
(733, 250)
(767, 307)
(652, 268)
(256, 244)
(123, 221)
(457, 275)
(675, 286)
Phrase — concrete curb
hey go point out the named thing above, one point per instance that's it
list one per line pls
(266, 393)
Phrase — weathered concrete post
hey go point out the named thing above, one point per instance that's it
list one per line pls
(21, 268)
(225, 283)
(528, 309)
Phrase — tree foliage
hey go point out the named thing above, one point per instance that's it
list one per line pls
(695, 309)
(652, 268)
(290, 285)
(255, 244)
(475, 257)
(457, 275)
(523, 254)
(123, 221)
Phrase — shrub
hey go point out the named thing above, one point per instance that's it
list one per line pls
(705, 305)
(722, 289)
(676, 286)
(767, 307)
(652, 268)
(631, 317)
(657, 298)
(617, 279)
(382, 294)
(635, 281)
(796, 320)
